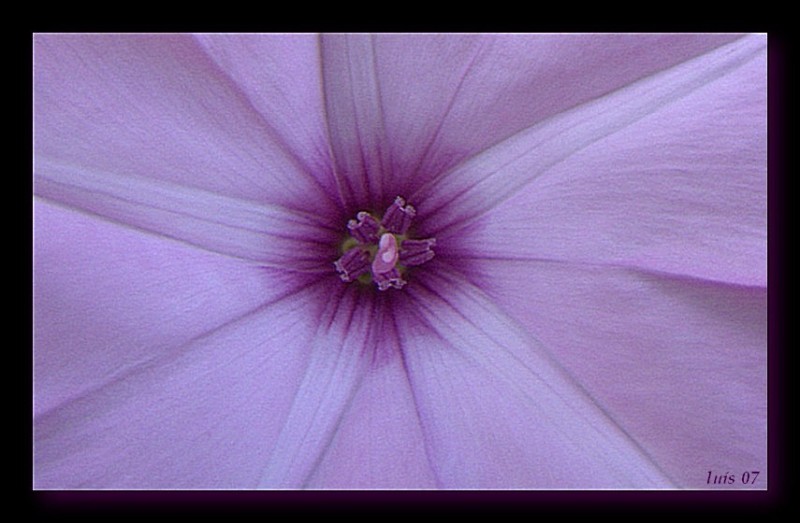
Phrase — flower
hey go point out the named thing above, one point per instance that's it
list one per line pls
(593, 315)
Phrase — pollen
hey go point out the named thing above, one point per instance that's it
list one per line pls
(379, 251)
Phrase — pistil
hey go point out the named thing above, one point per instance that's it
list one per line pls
(387, 255)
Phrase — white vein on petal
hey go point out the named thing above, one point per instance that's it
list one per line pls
(448, 110)
(476, 339)
(356, 113)
(266, 234)
(415, 398)
(276, 138)
(337, 366)
(525, 263)
(484, 181)
(288, 307)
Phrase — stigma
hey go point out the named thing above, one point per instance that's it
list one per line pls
(379, 251)
(386, 256)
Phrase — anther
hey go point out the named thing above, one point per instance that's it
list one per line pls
(352, 264)
(365, 228)
(398, 216)
(385, 280)
(416, 252)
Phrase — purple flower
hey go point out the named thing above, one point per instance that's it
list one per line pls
(575, 297)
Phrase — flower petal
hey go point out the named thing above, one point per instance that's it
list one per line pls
(448, 97)
(379, 443)
(108, 299)
(683, 190)
(497, 411)
(339, 357)
(266, 234)
(204, 416)
(156, 106)
(679, 364)
(479, 185)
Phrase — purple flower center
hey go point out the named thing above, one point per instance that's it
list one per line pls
(380, 251)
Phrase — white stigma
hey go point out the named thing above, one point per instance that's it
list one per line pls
(387, 255)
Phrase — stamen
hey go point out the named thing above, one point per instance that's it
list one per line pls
(416, 252)
(365, 230)
(352, 264)
(388, 279)
(386, 257)
(398, 216)
(379, 252)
